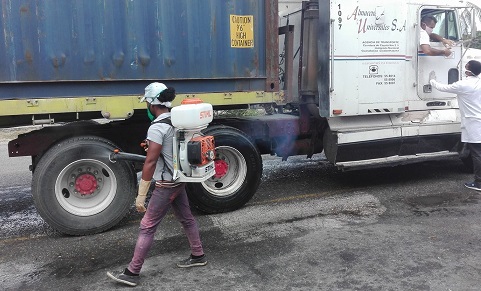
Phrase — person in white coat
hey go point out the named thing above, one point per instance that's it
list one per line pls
(468, 92)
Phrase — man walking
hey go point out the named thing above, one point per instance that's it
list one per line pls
(167, 194)
(469, 99)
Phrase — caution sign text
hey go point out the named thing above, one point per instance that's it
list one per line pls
(241, 31)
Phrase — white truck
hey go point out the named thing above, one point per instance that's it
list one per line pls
(343, 77)
(372, 83)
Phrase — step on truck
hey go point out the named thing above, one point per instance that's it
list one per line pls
(346, 78)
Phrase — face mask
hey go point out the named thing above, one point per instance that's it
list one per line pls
(469, 73)
(149, 113)
(428, 29)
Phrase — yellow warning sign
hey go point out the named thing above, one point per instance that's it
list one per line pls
(241, 31)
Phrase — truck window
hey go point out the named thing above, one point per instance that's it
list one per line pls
(446, 25)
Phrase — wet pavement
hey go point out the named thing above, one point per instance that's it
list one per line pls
(309, 227)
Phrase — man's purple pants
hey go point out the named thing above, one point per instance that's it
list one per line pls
(160, 202)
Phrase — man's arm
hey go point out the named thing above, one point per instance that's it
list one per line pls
(430, 51)
(455, 88)
(438, 38)
(424, 42)
(147, 173)
(153, 155)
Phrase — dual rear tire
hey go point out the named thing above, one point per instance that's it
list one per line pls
(77, 190)
(238, 173)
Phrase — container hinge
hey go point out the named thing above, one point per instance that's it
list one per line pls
(91, 100)
(42, 121)
(32, 103)
(227, 95)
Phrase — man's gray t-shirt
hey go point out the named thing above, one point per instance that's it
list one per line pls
(162, 134)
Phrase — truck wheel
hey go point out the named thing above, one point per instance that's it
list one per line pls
(238, 173)
(78, 191)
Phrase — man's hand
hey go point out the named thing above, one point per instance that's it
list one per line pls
(145, 144)
(140, 203)
(448, 43)
(140, 200)
(447, 52)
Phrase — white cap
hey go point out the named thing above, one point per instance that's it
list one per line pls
(152, 91)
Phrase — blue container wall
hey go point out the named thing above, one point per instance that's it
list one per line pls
(114, 40)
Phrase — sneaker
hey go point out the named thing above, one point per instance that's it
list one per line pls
(125, 279)
(190, 262)
(472, 185)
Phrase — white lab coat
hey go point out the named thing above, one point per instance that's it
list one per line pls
(469, 99)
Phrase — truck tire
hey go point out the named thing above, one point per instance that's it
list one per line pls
(78, 191)
(238, 173)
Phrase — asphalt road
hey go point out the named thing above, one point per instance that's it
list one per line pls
(309, 227)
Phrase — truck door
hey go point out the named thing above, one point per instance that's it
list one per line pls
(446, 69)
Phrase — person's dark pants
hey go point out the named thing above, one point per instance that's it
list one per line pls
(475, 150)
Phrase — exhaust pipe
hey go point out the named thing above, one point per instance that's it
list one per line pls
(309, 49)
(309, 58)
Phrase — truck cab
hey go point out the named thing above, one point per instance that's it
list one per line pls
(373, 82)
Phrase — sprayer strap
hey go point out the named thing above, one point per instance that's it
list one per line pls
(169, 122)
(165, 120)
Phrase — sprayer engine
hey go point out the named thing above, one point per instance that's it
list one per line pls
(200, 150)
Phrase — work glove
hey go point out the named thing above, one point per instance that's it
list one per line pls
(142, 194)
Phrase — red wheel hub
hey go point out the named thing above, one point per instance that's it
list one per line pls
(86, 184)
(221, 168)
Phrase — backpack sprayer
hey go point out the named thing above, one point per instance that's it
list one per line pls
(193, 152)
